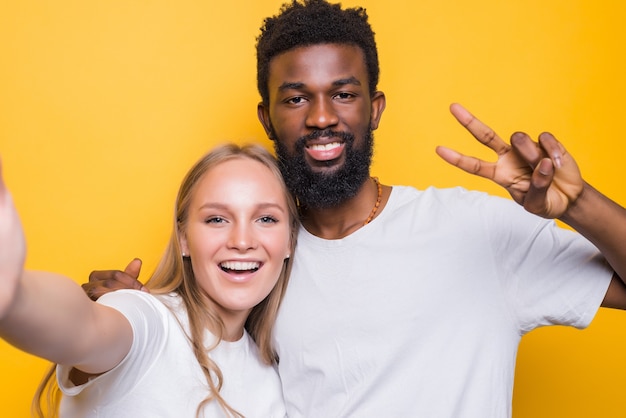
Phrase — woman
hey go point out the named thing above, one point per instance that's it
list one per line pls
(181, 350)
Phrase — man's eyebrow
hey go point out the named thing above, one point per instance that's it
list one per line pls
(291, 86)
(345, 81)
(297, 85)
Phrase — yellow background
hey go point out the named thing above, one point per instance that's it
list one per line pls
(104, 105)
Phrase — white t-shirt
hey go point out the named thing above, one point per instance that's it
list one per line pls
(160, 376)
(420, 312)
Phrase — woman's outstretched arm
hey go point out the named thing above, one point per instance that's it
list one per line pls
(49, 315)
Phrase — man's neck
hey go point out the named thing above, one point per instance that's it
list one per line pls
(347, 217)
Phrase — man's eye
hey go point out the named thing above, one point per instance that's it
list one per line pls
(344, 95)
(295, 100)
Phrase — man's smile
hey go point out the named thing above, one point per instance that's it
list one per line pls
(325, 152)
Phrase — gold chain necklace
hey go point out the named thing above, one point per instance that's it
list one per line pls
(378, 199)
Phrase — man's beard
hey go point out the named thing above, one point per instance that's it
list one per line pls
(325, 190)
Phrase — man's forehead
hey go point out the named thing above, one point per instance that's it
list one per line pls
(334, 61)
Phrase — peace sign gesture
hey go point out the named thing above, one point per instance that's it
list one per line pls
(541, 176)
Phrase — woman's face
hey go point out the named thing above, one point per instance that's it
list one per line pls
(237, 235)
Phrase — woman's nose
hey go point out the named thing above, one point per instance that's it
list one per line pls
(242, 238)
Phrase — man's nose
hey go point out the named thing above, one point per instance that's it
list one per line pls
(322, 114)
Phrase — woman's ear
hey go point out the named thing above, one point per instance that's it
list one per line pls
(183, 245)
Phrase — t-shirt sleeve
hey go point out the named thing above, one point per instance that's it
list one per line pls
(148, 319)
(551, 275)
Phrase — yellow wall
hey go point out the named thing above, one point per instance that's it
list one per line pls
(105, 104)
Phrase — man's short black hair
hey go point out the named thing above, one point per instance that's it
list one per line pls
(313, 22)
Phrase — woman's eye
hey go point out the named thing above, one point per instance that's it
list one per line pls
(268, 219)
(214, 220)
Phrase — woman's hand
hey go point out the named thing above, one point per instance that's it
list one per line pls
(12, 249)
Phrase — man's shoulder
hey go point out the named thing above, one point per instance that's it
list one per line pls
(403, 193)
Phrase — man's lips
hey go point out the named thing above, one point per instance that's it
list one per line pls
(325, 152)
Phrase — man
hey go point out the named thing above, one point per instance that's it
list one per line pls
(410, 303)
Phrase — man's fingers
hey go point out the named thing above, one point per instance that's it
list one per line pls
(483, 133)
(93, 291)
(470, 165)
(536, 198)
(553, 148)
(123, 280)
(528, 149)
(133, 268)
(449, 155)
(102, 282)
(461, 114)
(105, 281)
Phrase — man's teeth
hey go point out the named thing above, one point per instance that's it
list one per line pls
(240, 265)
(324, 147)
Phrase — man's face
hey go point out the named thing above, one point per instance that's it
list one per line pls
(321, 116)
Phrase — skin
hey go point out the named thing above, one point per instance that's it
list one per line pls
(325, 87)
(321, 86)
(238, 218)
(544, 178)
(305, 94)
(47, 314)
(238, 214)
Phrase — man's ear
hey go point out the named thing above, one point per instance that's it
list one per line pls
(264, 117)
(378, 106)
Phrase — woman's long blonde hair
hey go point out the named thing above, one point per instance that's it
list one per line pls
(174, 273)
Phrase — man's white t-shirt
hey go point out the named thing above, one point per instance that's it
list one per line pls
(420, 312)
